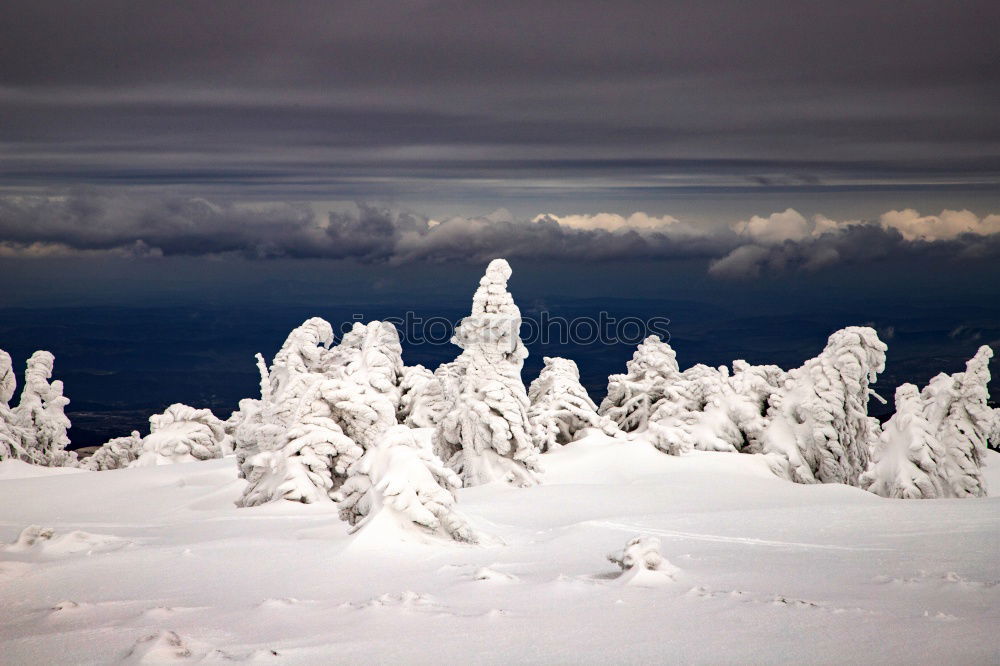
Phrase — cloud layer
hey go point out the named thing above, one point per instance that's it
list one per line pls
(545, 100)
(91, 223)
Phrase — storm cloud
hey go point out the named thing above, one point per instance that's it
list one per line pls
(547, 103)
(92, 222)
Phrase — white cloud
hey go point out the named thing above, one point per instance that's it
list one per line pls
(637, 221)
(946, 226)
(775, 228)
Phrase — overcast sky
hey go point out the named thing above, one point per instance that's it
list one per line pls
(164, 127)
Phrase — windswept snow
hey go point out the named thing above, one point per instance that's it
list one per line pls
(158, 563)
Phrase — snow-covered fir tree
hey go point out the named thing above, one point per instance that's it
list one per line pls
(365, 397)
(10, 441)
(320, 407)
(935, 443)
(117, 453)
(957, 408)
(560, 407)
(35, 430)
(632, 396)
(288, 443)
(422, 403)
(907, 461)
(400, 480)
(818, 429)
(485, 434)
(701, 408)
(183, 434)
(994, 438)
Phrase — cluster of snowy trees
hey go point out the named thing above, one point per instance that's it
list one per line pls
(352, 424)
(35, 430)
(933, 446)
(812, 422)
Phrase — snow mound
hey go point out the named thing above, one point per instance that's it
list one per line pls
(642, 564)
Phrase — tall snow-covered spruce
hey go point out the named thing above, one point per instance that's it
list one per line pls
(485, 435)
(957, 408)
(818, 429)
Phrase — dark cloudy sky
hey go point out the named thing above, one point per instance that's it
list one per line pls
(149, 128)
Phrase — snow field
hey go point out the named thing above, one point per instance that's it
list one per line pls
(158, 564)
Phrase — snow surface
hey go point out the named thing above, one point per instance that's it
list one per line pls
(157, 564)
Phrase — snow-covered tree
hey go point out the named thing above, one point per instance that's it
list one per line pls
(818, 429)
(994, 438)
(485, 434)
(400, 476)
(633, 396)
(288, 443)
(422, 403)
(935, 443)
(35, 430)
(560, 406)
(320, 406)
(956, 407)
(8, 382)
(182, 434)
(10, 441)
(117, 453)
(908, 460)
(365, 397)
(710, 409)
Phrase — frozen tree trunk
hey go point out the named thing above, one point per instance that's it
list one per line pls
(818, 429)
(560, 407)
(485, 435)
(400, 478)
(182, 434)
